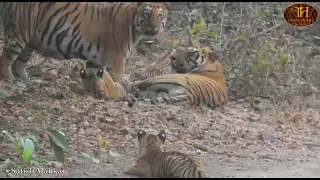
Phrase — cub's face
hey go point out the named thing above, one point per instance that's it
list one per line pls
(92, 80)
(89, 76)
(150, 141)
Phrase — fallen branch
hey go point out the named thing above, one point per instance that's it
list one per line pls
(265, 31)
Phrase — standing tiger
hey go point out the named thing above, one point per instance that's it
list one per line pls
(104, 35)
(152, 161)
(101, 85)
(199, 79)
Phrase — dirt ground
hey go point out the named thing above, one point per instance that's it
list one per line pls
(281, 140)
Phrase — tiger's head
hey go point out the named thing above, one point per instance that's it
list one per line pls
(95, 80)
(151, 18)
(191, 59)
(148, 142)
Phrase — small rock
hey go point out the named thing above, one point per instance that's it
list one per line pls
(245, 134)
(201, 147)
(21, 85)
(114, 154)
(92, 131)
(261, 104)
(182, 137)
(31, 89)
(19, 97)
(73, 127)
(4, 94)
(267, 136)
(277, 142)
(86, 124)
(297, 117)
(40, 82)
(81, 131)
(170, 118)
(51, 75)
(44, 136)
(124, 131)
(4, 124)
(56, 164)
(253, 118)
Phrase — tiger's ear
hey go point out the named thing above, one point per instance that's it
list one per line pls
(162, 136)
(83, 74)
(212, 55)
(100, 72)
(141, 134)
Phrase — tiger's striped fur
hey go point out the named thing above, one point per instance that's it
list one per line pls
(152, 161)
(104, 35)
(100, 83)
(200, 80)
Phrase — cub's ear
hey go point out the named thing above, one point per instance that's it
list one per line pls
(83, 74)
(141, 134)
(162, 136)
(100, 73)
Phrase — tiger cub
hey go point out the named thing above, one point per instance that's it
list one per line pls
(152, 161)
(100, 83)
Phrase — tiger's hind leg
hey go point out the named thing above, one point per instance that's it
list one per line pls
(11, 52)
(21, 62)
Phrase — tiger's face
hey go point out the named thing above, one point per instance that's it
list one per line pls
(189, 59)
(151, 18)
(149, 142)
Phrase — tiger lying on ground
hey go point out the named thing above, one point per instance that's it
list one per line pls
(100, 83)
(152, 161)
(104, 35)
(200, 79)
